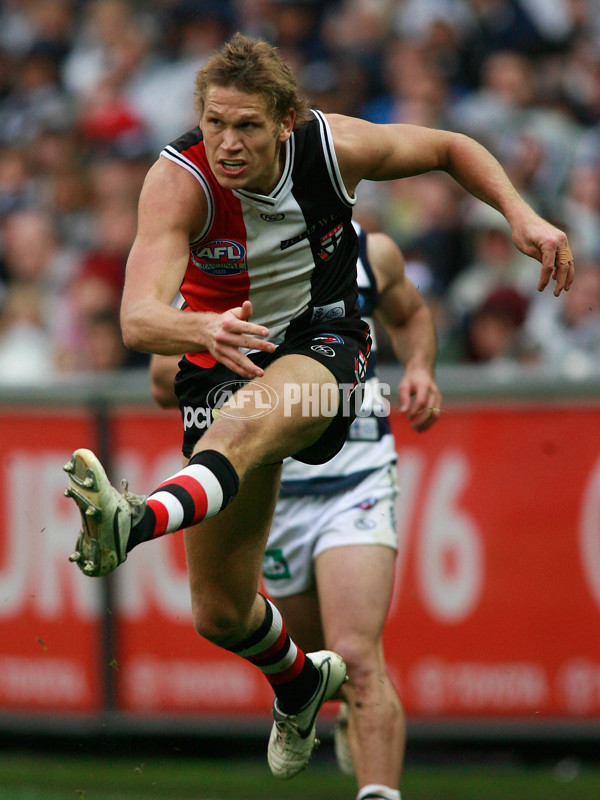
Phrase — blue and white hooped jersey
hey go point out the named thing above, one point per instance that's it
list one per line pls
(370, 444)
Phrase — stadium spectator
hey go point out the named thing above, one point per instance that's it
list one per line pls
(93, 295)
(33, 255)
(26, 352)
(294, 27)
(54, 55)
(103, 348)
(101, 46)
(16, 190)
(567, 334)
(494, 264)
(33, 99)
(499, 25)
(416, 90)
(425, 215)
(67, 193)
(516, 114)
(194, 29)
(117, 178)
(580, 207)
(492, 333)
(359, 31)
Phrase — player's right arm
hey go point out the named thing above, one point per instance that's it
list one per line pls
(172, 208)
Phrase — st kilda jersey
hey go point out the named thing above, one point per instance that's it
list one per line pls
(369, 443)
(292, 252)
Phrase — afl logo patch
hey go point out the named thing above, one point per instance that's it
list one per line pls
(272, 217)
(220, 257)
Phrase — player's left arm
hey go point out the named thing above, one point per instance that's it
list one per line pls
(391, 151)
(409, 323)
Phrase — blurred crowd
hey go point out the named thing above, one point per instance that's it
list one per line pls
(91, 90)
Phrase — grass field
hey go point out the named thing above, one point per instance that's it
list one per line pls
(35, 776)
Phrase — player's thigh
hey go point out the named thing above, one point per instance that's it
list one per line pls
(264, 424)
(224, 553)
(354, 586)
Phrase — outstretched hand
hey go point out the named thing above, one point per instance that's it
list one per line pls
(226, 333)
(539, 239)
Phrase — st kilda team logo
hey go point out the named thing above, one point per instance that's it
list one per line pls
(330, 241)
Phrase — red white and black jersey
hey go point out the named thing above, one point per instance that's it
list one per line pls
(291, 253)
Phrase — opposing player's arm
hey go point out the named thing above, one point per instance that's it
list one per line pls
(163, 370)
(388, 152)
(172, 210)
(409, 323)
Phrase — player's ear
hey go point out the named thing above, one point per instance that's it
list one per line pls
(286, 125)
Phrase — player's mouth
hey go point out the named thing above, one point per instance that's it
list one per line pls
(232, 166)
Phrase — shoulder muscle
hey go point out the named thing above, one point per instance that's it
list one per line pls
(171, 198)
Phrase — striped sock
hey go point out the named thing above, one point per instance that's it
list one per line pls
(200, 490)
(294, 677)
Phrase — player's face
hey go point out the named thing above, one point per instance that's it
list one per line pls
(242, 139)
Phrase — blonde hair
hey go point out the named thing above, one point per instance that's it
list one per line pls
(255, 67)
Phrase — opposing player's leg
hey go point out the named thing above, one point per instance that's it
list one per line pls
(224, 557)
(354, 586)
(303, 618)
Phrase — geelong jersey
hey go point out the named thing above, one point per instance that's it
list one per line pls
(290, 252)
(369, 444)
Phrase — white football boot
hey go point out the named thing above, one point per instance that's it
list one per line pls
(107, 516)
(293, 736)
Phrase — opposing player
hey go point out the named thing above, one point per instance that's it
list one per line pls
(330, 556)
(250, 215)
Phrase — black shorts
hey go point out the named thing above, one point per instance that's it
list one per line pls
(342, 345)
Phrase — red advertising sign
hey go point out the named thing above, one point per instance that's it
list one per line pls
(496, 609)
(497, 603)
(49, 613)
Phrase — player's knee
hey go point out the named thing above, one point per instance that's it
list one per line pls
(222, 624)
(362, 657)
(237, 439)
